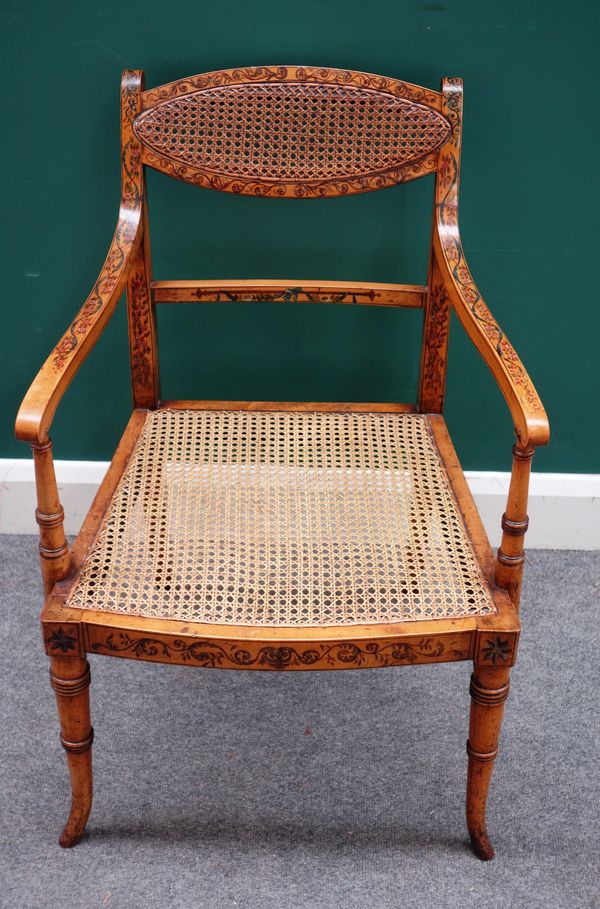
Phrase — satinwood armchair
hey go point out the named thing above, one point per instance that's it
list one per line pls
(284, 536)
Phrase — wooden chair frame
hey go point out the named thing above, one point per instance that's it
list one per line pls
(490, 641)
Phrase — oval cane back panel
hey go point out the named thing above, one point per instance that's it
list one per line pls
(292, 131)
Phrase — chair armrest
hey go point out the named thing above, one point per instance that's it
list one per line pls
(39, 404)
(529, 417)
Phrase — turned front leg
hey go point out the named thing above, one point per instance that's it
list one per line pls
(70, 679)
(489, 690)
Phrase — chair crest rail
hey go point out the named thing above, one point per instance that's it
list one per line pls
(292, 131)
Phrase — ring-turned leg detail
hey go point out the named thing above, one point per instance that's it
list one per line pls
(70, 679)
(489, 690)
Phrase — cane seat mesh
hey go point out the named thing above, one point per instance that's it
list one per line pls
(256, 518)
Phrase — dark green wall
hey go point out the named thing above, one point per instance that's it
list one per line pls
(529, 206)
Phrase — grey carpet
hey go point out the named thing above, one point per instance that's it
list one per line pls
(220, 789)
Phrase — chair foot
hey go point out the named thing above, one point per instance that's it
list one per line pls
(489, 690)
(481, 846)
(68, 839)
(70, 679)
(80, 771)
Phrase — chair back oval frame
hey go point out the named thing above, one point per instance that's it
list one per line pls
(290, 131)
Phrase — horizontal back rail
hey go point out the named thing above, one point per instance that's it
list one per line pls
(250, 291)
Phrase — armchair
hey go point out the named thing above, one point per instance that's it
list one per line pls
(273, 535)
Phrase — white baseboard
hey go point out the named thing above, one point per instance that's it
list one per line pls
(564, 509)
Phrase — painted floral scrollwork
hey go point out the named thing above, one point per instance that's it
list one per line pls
(278, 74)
(214, 654)
(141, 340)
(438, 323)
(288, 295)
(298, 190)
(125, 233)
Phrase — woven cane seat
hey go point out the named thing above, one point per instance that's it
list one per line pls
(257, 518)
